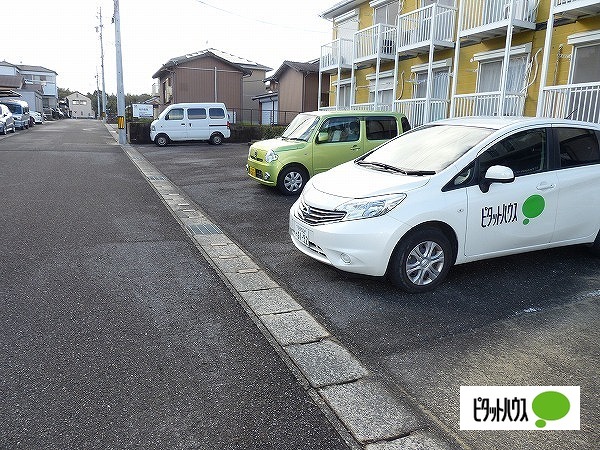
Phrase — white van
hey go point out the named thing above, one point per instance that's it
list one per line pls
(20, 112)
(191, 122)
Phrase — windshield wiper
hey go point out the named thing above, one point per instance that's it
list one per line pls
(384, 166)
(418, 172)
(362, 162)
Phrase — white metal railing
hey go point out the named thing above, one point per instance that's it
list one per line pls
(366, 42)
(414, 109)
(573, 101)
(416, 26)
(479, 13)
(370, 107)
(336, 53)
(486, 104)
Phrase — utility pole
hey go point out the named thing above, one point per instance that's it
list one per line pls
(99, 28)
(98, 95)
(120, 88)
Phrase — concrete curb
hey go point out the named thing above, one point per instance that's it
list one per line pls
(375, 416)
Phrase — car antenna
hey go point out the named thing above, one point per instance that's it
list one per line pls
(572, 112)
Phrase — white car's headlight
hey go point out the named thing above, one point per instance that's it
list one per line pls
(364, 208)
(270, 156)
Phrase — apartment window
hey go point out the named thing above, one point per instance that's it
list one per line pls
(346, 25)
(343, 95)
(425, 3)
(490, 74)
(440, 83)
(585, 65)
(385, 12)
(381, 92)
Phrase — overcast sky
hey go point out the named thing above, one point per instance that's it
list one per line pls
(61, 35)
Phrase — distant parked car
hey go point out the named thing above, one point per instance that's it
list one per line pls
(20, 112)
(37, 117)
(7, 122)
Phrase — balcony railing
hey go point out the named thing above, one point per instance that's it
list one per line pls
(336, 55)
(573, 101)
(378, 41)
(414, 109)
(481, 17)
(577, 7)
(370, 107)
(416, 28)
(487, 103)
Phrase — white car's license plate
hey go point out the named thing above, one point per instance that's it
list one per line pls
(301, 234)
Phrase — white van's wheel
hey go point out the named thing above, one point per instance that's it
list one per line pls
(161, 140)
(421, 261)
(216, 139)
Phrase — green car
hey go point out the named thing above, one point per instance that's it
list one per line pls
(317, 141)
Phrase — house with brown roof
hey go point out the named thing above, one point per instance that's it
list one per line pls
(34, 84)
(293, 88)
(212, 75)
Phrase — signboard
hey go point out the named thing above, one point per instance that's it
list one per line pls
(142, 110)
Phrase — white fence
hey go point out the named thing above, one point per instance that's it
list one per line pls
(487, 103)
(414, 110)
(366, 41)
(416, 26)
(478, 13)
(335, 54)
(573, 101)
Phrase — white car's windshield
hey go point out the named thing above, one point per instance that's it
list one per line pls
(425, 151)
(301, 127)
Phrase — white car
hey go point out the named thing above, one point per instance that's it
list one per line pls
(37, 117)
(452, 192)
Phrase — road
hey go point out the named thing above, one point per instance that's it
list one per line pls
(530, 319)
(115, 331)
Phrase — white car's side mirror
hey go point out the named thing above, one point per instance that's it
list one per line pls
(496, 174)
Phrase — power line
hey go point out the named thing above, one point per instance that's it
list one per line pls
(259, 20)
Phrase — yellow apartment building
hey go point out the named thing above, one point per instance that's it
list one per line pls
(433, 59)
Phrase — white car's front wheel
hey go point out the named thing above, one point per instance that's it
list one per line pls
(421, 261)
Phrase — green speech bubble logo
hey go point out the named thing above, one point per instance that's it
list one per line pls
(550, 405)
(533, 207)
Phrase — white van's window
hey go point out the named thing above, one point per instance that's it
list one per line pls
(379, 128)
(427, 149)
(175, 114)
(14, 108)
(196, 113)
(216, 113)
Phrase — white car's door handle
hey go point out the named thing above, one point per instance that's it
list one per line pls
(543, 186)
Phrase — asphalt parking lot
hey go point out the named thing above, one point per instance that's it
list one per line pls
(529, 319)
